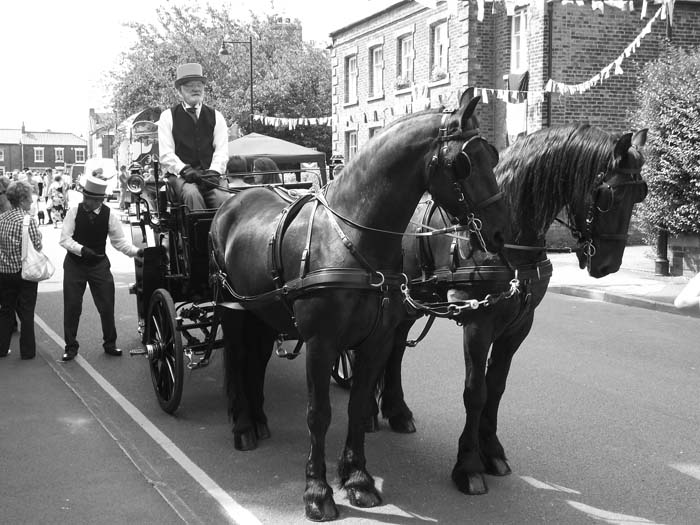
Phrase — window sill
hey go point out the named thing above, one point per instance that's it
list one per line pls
(404, 91)
(375, 98)
(438, 83)
(350, 104)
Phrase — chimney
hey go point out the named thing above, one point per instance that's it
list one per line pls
(23, 130)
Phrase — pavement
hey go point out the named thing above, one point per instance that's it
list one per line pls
(56, 452)
(634, 284)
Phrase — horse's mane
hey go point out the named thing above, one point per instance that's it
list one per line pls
(541, 173)
(367, 154)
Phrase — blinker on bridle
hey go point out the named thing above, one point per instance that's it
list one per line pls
(461, 166)
(603, 199)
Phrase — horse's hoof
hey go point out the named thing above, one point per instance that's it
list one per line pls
(472, 484)
(402, 425)
(325, 511)
(262, 431)
(372, 424)
(245, 440)
(363, 498)
(497, 467)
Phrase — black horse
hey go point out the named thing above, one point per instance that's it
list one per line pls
(326, 269)
(587, 173)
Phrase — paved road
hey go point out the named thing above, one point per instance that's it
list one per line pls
(599, 422)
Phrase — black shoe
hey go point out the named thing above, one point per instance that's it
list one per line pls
(69, 356)
(114, 351)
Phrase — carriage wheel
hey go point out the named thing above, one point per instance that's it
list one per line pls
(342, 368)
(164, 344)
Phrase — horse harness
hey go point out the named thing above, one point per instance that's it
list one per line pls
(365, 278)
(602, 201)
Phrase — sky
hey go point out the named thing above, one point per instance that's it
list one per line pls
(56, 54)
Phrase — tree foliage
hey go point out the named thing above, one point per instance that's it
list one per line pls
(669, 105)
(291, 78)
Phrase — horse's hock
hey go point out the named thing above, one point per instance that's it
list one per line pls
(685, 253)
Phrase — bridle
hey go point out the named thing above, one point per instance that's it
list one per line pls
(461, 167)
(602, 201)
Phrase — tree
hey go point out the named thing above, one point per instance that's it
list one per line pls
(291, 78)
(669, 105)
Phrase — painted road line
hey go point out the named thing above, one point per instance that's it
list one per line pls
(689, 469)
(231, 507)
(613, 518)
(547, 486)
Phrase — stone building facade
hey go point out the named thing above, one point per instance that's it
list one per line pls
(410, 56)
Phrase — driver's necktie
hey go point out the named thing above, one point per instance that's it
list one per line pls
(193, 113)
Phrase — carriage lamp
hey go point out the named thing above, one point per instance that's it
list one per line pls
(225, 57)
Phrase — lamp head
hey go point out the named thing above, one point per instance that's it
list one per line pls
(224, 54)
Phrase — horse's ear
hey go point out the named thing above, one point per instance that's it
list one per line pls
(468, 111)
(640, 138)
(467, 96)
(623, 144)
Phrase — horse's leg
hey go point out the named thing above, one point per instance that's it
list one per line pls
(504, 349)
(468, 472)
(394, 406)
(318, 495)
(257, 365)
(233, 323)
(352, 468)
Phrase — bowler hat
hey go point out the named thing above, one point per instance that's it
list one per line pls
(187, 72)
(94, 187)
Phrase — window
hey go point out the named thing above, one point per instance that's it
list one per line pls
(2, 155)
(38, 154)
(438, 51)
(404, 66)
(59, 154)
(376, 71)
(518, 42)
(351, 79)
(79, 154)
(374, 131)
(350, 145)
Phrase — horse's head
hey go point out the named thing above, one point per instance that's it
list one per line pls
(609, 207)
(461, 177)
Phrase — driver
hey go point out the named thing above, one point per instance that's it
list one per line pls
(193, 142)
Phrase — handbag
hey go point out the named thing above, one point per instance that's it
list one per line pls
(35, 265)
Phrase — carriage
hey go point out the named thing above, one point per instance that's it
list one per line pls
(175, 299)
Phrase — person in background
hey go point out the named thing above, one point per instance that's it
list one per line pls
(84, 236)
(689, 297)
(57, 201)
(4, 203)
(123, 178)
(236, 164)
(193, 143)
(17, 296)
(266, 165)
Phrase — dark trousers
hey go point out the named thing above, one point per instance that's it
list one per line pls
(198, 196)
(75, 276)
(17, 296)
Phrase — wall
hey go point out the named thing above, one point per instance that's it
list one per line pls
(385, 27)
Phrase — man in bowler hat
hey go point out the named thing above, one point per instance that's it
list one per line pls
(193, 143)
(84, 236)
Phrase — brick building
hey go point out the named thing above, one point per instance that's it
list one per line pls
(409, 56)
(40, 150)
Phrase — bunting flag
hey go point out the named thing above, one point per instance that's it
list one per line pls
(292, 123)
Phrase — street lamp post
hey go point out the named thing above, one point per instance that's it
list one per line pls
(225, 57)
